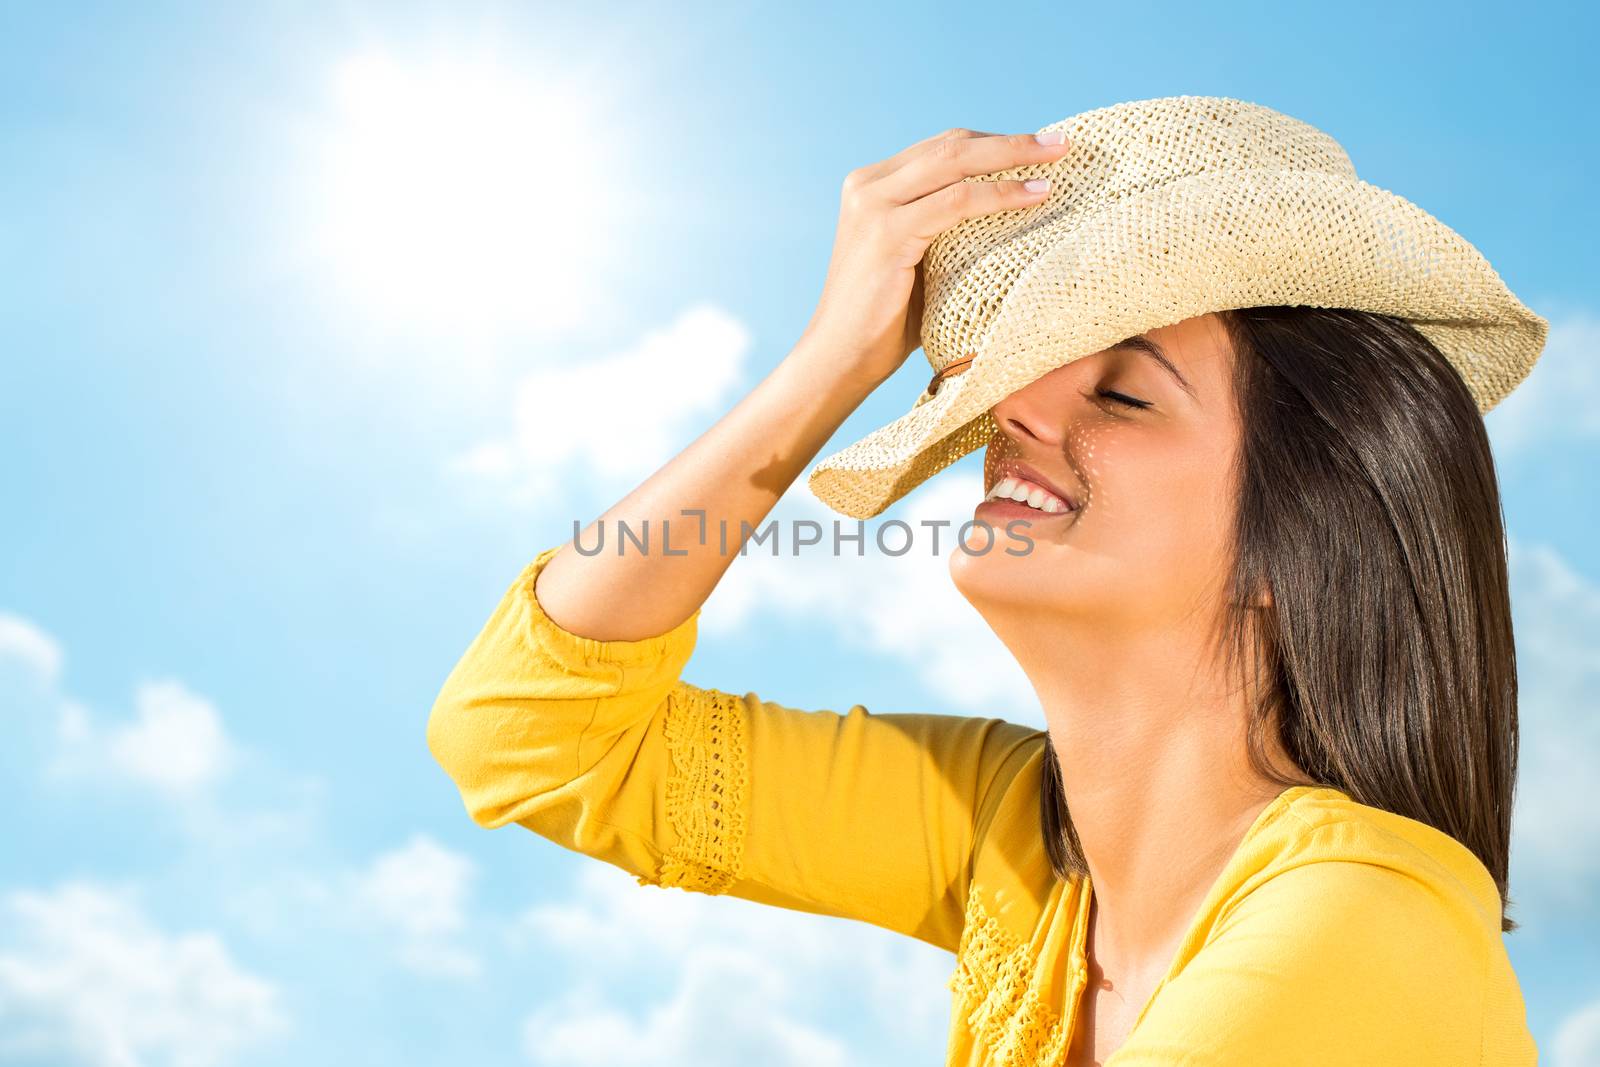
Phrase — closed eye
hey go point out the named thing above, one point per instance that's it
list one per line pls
(1122, 398)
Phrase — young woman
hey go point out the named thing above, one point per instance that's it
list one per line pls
(1266, 615)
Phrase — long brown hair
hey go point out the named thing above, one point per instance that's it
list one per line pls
(1368, 504)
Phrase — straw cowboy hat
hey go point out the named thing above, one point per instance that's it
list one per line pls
(1163, 210)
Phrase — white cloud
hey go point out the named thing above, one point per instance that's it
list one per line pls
(1556, 842)
(176, 743)
(905, 608)
(726, 1008)
(23, 643)
(607, 422)
(1560, 398)
(175, 748)
(86, 978)
(420, 887)
(739, 981)
(1577, 1040)
(420, 891)
(413, 902)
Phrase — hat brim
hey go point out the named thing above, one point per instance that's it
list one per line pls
(1199, 244)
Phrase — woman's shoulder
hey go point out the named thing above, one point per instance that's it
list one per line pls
(1329, 879)
(1342, 840)
(1313, 839)
(1359, 925)
(1010, 868)
(1313, 850)
(1339, 924)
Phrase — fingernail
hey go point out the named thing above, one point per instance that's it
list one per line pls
(1053, 137)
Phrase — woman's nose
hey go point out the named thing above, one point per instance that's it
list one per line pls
(1037, 412)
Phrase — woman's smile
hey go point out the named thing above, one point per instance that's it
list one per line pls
(1015, 498)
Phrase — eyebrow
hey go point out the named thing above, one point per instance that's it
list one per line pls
(1140, 343)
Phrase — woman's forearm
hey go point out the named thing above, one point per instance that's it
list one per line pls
(735, 471)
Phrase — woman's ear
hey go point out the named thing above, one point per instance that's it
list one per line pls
(1263, 598)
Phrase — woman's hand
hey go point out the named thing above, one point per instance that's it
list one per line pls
(729, 478)
(870, 314)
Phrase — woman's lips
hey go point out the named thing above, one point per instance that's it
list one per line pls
(1013, 467)
(1008, 510)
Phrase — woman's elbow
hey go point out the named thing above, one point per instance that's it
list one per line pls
(506, 762)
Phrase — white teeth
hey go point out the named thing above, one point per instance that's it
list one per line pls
(1010, 488)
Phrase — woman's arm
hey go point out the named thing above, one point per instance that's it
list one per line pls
(600, 747)
(868, 320)
(567, 713)
(735, 472)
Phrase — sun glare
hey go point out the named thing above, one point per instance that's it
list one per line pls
(456, 195)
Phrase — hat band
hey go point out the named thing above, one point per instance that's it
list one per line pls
(933, 384)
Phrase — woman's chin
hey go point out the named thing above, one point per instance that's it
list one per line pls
(1005, 560)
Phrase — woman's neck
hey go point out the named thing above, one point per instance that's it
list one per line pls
(1150, 737)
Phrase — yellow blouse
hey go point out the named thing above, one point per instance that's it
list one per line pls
(1337, 933)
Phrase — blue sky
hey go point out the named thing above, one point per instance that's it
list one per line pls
(281, 288)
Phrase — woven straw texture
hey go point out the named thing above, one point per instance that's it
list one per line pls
(1162, 210)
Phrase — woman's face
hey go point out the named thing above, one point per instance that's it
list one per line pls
(1149, 539)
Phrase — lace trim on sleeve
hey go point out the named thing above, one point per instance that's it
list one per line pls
(705, 732)
(996, 993)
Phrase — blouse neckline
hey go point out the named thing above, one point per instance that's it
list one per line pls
(1225, 878)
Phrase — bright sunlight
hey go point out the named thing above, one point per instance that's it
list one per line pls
(447, 196)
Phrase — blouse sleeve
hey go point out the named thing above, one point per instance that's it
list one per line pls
(1328, 962)
(600, 747)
